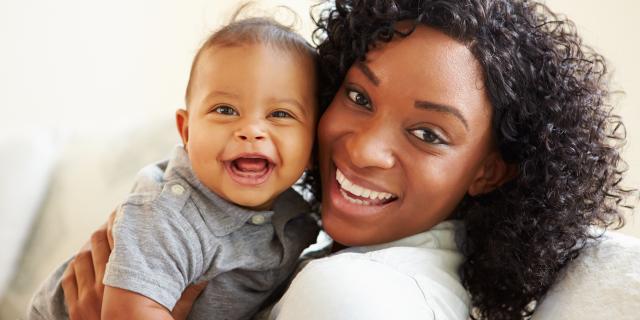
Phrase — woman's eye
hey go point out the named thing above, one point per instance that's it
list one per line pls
(226, 110)
(358, 98)
(427, 136)
(281, 114)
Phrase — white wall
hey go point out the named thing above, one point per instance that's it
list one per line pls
(80, 65)
(98, 67)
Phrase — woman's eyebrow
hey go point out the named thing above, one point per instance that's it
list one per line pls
(442, 108)
(368, 73)
(419, 104)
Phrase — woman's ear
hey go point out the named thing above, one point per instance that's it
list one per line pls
(494, 173)
(182, 122)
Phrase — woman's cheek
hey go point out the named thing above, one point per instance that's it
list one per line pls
(324, 129)
(334, 121)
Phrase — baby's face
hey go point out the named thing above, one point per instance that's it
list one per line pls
(251, 121)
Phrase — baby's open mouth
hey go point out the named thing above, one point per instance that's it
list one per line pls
(250, 165)
(249, 170)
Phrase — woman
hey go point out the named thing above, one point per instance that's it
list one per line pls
(488, 112)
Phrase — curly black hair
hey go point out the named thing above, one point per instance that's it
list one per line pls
(552, 119)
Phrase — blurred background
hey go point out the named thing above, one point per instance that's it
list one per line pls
(88, 91)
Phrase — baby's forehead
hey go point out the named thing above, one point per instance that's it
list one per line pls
(280, 49)
(220, 53)
(245, 63)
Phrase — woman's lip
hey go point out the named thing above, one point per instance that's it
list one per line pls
(357, 192)
(356, 180)
(348, 208)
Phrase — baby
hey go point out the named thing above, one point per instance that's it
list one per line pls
(221, 209)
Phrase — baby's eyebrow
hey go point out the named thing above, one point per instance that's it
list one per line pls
(368, 72)
(222, 93)
(294, 102)
(428, 105)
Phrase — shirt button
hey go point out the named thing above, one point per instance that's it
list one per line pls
(257, 219)
(177, 189)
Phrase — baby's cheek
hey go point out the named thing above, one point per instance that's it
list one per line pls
(294, 165)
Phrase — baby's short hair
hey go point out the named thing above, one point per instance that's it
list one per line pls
(258, 30)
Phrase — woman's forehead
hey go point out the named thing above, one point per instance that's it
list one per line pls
(426, 49)
(428, 65)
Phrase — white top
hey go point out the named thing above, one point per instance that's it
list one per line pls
(411, 278)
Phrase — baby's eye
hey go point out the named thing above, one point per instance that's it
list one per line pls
(427, 136)
(358, 98)
(281, 114)
(225, 110)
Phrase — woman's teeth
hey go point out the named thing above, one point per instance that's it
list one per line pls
(360, 191)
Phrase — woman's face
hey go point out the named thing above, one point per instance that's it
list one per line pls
(405, 138)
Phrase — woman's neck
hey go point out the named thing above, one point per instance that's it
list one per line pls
(335, 247)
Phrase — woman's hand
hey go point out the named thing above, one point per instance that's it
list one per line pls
(189, 296)
(82, 280)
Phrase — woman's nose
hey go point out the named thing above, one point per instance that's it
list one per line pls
(371, 146)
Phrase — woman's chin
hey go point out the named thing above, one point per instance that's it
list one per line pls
(342, 232)
(349, 231)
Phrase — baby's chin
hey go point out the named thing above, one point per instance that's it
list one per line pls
(252, 200)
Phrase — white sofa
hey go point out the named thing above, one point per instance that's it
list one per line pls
(602, 283)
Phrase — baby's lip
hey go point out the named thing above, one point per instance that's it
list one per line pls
(251, 155)
(249, 177)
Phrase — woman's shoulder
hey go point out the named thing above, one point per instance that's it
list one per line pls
(340, 287)
(406, 280)
(430, 252)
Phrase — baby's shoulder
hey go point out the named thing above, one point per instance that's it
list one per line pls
(161, 209)
(158, 195)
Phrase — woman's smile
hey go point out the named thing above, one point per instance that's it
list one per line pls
(354, 199)
(361, 195)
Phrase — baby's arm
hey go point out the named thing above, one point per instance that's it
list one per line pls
(155, 257)
(83, 296)
(124, 304)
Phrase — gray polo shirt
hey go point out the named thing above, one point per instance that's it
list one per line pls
(172, 232)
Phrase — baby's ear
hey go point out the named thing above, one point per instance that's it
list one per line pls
(494, 173)
(182, 123)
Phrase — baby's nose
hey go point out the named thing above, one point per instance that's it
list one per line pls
(251, 132)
